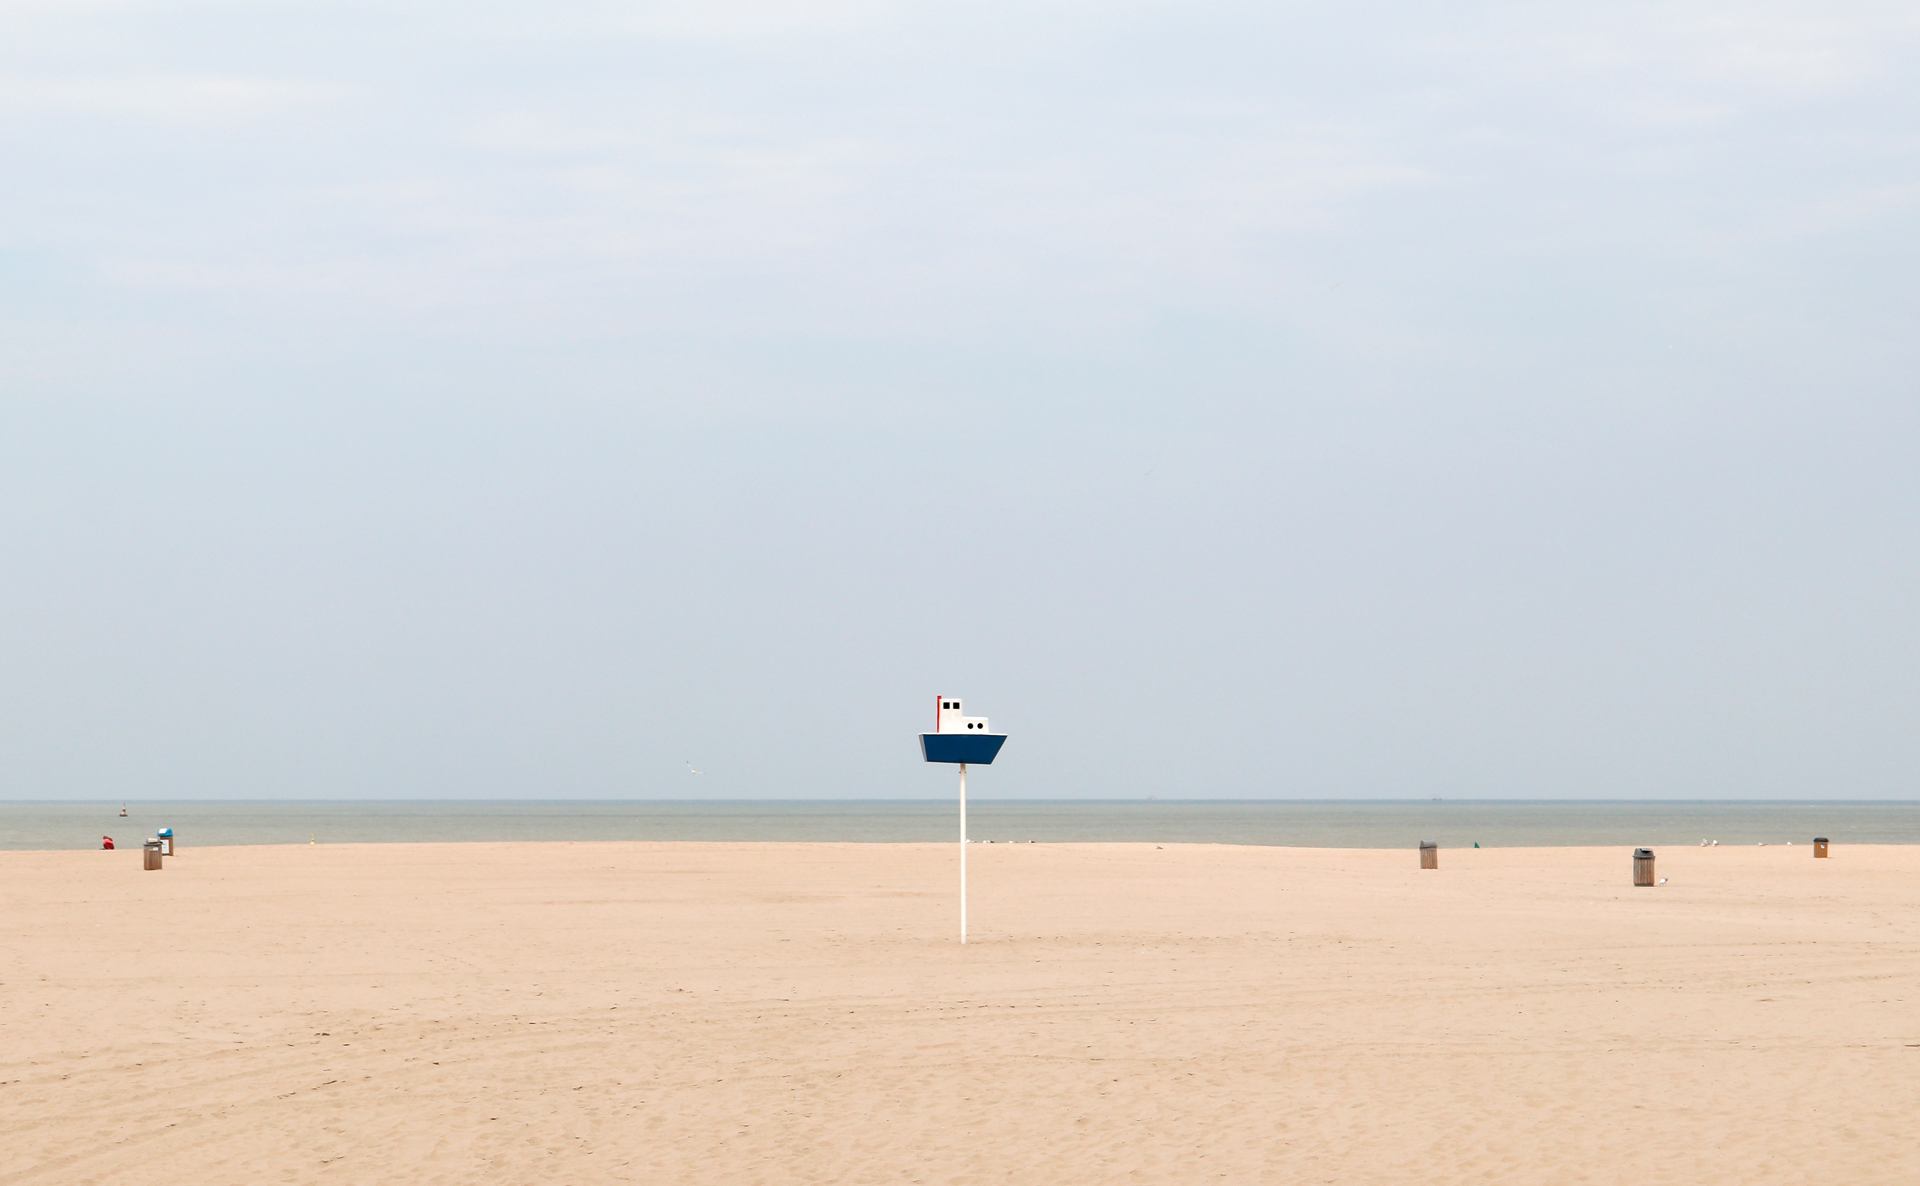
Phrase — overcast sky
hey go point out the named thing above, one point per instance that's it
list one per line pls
(1324, 400)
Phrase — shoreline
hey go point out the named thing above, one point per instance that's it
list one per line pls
(133, 847)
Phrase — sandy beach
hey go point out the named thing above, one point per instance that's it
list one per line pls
(765, 1013)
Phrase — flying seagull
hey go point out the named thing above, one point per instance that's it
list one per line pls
(691, 769)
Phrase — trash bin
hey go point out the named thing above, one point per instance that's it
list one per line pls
(166, 842)
(1429, 855)
(150, 853)
(1643, 866)
(1819, 846)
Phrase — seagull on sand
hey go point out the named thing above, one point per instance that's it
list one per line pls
(1663, 881)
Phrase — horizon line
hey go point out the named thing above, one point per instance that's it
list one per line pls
(942, 799)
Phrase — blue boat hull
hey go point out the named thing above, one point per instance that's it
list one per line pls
(974, 749)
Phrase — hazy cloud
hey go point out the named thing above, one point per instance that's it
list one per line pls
(1231, 399)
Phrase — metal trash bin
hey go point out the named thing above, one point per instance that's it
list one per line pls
(1819, 846)
(1429, 855)
(1643, 866)
(150, 853)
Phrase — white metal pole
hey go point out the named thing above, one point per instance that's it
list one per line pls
(963, 852)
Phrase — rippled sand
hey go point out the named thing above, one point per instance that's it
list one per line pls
(759, 1013)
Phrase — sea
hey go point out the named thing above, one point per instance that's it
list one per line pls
(1296, 822)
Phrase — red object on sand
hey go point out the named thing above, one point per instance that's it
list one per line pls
(106, 842)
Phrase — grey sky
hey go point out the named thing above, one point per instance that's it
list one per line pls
(1228, 400)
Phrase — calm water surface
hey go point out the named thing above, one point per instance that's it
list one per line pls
(1321, 824)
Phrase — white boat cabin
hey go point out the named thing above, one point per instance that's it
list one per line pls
(947, 717)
